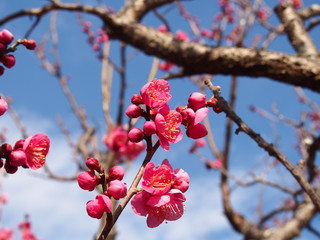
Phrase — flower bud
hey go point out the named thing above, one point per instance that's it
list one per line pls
(117, 189)
(17, 158)
(29, 44)
(115, 173)
(3, 106)
(6, 36)
(19, 144)
(5, 150)
(93, 164)
(9, 60)
(134, 111)
(135, 135)
(88, 180)
(96, 208)
(9, 168)
(136, 99)
(197, 100)
(149, 128)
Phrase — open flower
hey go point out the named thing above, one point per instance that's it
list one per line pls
(157, 180)
(36, 149)
(116, 139)
(155, 93)
(158, 208)
(168, 123)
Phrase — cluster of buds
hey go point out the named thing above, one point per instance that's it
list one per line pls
(112, 186)
(28, 153)
(227, 11)
(162, 195)
(162, 121)
(26, 231)
(94, 39)
(6, 38)
(118, 141)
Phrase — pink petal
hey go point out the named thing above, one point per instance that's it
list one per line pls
(164, 142)
(200, 115)
(138, 203)
(158, 201)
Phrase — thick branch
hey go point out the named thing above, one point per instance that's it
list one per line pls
(297, 34)
(196, 58)
(303, 215)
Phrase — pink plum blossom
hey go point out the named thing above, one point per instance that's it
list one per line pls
(168, 123)
(95, 208)
(214, 164)
(155, 93)
(116, 139)
(6, 234)
(166, 66)
(36, 148)
(182, 36)
(157, 180)
(181, 180)
(134, 149)
(158, 208)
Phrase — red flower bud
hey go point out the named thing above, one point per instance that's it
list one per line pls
(5, 150)
(149, 128)
(115, 173)
(117, 189)
(93, 164)
(9, 60)
(197, 100)
(17, 158)
(29, 44)
(136, 99)
(135, 135)
(6, 36)
(134, 111)
(88, 180)
(3, 106)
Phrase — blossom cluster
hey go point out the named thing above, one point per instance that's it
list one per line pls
(162, 121)
(6, 38)
(28, 153)
(112, 185)
(162, 195)
(94, 39)
(117, 140)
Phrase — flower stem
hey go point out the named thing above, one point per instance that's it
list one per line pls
(132, 190)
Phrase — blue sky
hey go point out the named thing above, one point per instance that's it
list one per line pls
(38, 99)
